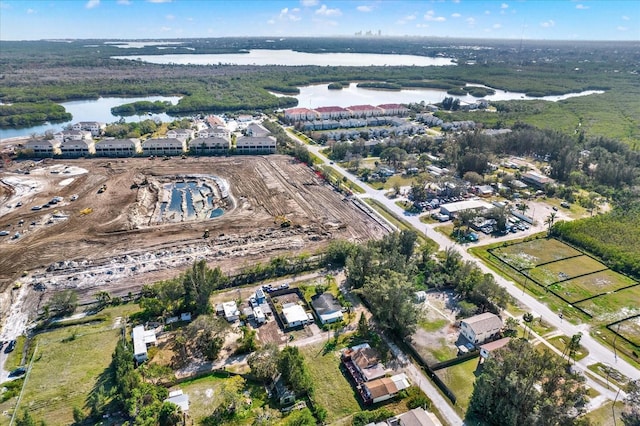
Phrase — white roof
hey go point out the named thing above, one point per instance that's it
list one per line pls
(180, 399)
(401, 381)
(294, 313)
(257, 312)
(466, 205)
(230, 309)
(139, 346)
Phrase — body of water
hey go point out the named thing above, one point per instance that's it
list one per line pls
(319, 95)
(93, 110)
(293, 58)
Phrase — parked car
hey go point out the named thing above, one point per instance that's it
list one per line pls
(18, 372)
(10, 347)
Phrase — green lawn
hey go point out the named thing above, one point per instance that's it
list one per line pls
(530, 253)
(332, 389)
(14, 359)
(613, 306)
(600, 282)
(205, 396)
(68, 363)
(433, 325)
(460, 379)
(603, 416)
(560, 343)
(564, 269)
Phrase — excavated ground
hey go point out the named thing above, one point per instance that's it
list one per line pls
(109, 240)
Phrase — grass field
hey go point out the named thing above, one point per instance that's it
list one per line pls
(600, 282)
(565, 269)
(603, 416)
(630, 329)
(613, 306)
(460, 379)
(332, 389)
(531, 253)
(560, 343)
(69, 363)
(205, 395)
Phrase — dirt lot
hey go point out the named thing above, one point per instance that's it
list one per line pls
(116, 246)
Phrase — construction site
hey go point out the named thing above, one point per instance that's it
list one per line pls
(115, 225)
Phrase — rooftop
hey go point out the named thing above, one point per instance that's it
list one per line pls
(325, 303)
(483, 322)
(294, 313)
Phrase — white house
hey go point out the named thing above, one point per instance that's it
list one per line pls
(39, 147)
(364, 111)
(141, 339)
(181, 134)
(393, 109)
(327, 308)
(332, 112)
(231, 312)
(209, 145)
(215, 132)
(257, 130)
(479, 328)
(300, 114)
(91, 126)
(451, 209)
(256, 145)
(116, 147)
(164, 146)
(258, 315)
(294, 315)
(488, 348)
(73, 148)
(73, 135)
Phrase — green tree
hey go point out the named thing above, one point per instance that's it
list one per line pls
(528, 319)
(103, 298)
(170, 415)
(390, 296)
(363, 326)
(264, 362)
(302, 417)
(511, 327)
(199, 282)
(294, 370)
(572, 347)
(206, 336)
(27, 419)
(549, 221)
(520, 385)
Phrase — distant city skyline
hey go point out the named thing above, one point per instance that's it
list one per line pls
(169, 19)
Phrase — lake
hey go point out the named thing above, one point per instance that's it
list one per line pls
(293, 58)
(93, 110)
(319, 95)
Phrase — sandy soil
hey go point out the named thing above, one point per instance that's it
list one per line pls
(107, 241)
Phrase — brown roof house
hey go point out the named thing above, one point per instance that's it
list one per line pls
(367, 361)
(385, 388)
(480, 328)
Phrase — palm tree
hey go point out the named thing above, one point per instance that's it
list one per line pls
(528, 319)
(523, 208)
(549, 221)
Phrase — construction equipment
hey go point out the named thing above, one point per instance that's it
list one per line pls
(206, 234)
(283, 221)
(102, 189)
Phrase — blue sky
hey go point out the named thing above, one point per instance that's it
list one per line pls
(163, 19)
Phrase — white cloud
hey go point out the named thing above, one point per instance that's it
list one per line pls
(170, 17)
(124, 2)
(431, 16)
(422, 26)
(470, 21)
(582, 7)
(487, 12)
(456, 1)
(309, 3)
(455, 15)
(496, 26)
(621, 28)
(325, 11)
(406, 19)
(31, 11)
(504, 6)
(290, 14)
(548, 24)
(92, 3)
(5, 6)
(625, 18)
(271, 22)
(364, 8)
(165, 29)
(159, 1)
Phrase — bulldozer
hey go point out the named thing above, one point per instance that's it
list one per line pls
(283, 221)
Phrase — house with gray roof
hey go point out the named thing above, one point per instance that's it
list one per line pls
(327, 308)
(480, 328)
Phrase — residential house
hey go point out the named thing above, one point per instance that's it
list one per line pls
(231, 312)
(116, 147)
(488, 348)
(393, 109)
(163, 146)
(180, 399)
(256, 145)
(260, 296)
(72, 135)
(39, 148)
(300, 114)
(480, 328)
(294, 315)
(364, 111)
(93, 127)
(327, 308)
(73, 148)
(182, 135)
(281, 392)
(385, 388)
(209, 145)
(215, 132)
(257, 130)
(416, 417)
(332, 112)
(259, 315)
(484, 191)
(366, 360)
(141, 340)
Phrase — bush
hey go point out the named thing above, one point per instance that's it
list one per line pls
(365, 417)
